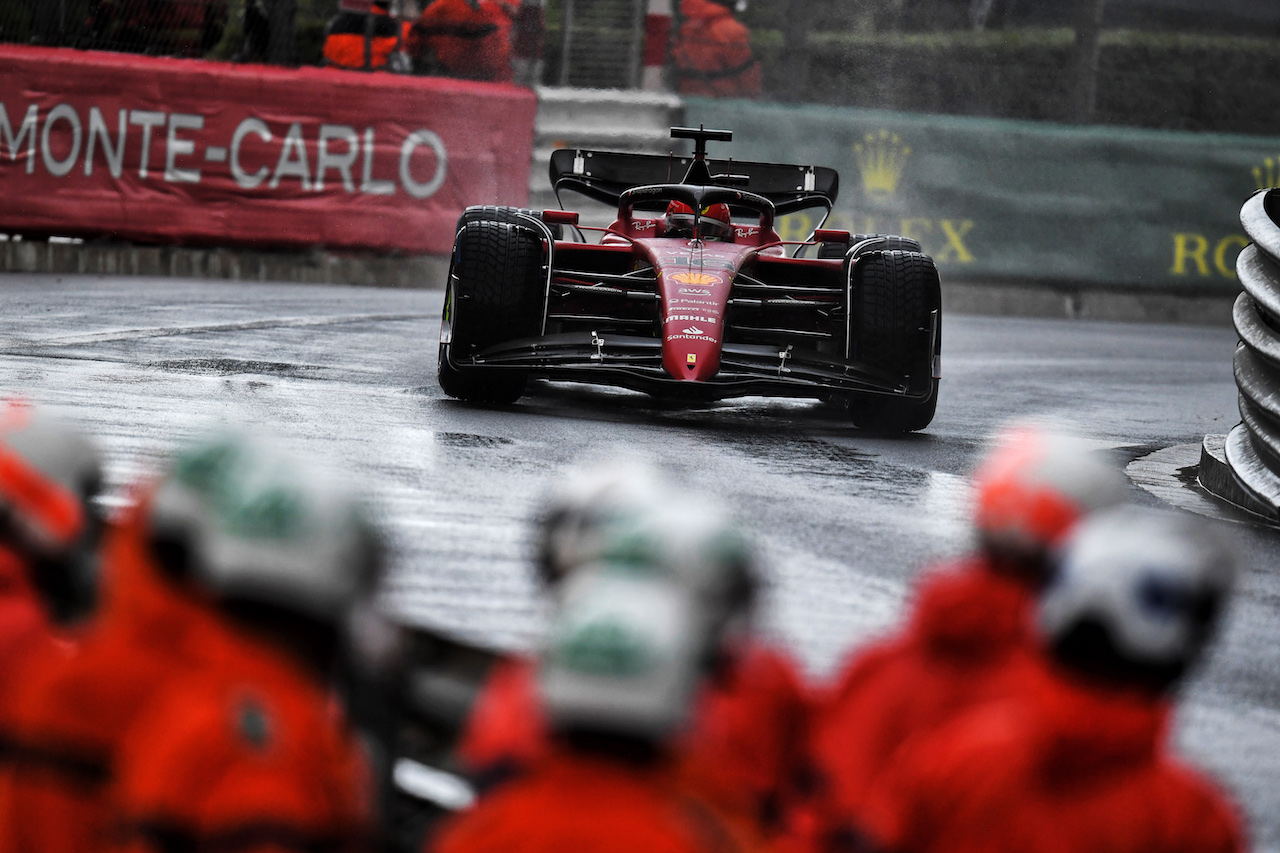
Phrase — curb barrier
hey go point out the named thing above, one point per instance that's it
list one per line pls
(1251, 450)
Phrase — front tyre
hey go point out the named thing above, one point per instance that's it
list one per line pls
(478, 386)
(495, 294)
(896, 295)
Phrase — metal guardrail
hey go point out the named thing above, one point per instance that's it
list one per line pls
(1252, 449)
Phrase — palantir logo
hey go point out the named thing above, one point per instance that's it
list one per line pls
(881, 158)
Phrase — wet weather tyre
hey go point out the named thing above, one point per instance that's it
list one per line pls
(863, 244)
(478, 386)
(495, 294)
(895, 294)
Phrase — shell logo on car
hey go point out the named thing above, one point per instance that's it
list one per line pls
(694, 278)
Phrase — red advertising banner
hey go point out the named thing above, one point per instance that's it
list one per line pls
(184, 151)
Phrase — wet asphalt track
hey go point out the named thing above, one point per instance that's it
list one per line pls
(844, 519)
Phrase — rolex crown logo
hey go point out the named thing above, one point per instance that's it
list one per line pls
(1267, 175)
(881, 158)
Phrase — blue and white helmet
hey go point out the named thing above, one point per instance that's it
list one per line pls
(1136, 595)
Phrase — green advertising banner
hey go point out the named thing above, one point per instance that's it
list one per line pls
(1014, 200)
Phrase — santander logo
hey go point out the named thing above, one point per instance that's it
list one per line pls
(693, 330)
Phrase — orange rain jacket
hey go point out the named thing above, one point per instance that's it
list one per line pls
(66, 720)
(969, 631)
(739, 754)
(462, 41)
(346, 36)
(253, 759)
(713, 53)
(575, 802)
(25, 630)
(1064, 766)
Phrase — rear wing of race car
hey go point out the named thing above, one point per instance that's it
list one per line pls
(605, 175)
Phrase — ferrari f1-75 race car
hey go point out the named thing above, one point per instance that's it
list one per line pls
(691, 294)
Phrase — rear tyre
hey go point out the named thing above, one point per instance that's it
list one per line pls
(494, 295)
(862, 244)
(895, 295)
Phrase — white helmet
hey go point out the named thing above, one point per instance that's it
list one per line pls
(246, 520)
(50, 472)
(623, 655)
(590, 495)
(694, 539)
(1136, 595)
(1032, 489)
(639, 627)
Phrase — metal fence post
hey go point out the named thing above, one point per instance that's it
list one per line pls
(636, 69)
(566, 39)
(282, 16)
(795, 65)
(1087, 56)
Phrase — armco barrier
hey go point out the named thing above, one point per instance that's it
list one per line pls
(1246, 470)
(173, 151)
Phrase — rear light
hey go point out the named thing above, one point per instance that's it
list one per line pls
(831, 235)
(562, 217)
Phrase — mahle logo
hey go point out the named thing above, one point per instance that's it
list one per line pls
(1266, 175)
(881, 158)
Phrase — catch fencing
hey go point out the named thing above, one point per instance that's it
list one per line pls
(599, 43)
(187, 28)
(1253, 448)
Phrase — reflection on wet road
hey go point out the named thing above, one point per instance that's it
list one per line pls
(845, 520)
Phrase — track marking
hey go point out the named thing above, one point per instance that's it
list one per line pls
(13, 345)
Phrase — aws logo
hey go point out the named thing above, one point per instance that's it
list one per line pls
(694, 278)
(881, 158)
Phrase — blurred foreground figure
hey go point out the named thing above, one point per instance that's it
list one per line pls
(713, 52)
(507, 727)
(464, 38)
(616, 681)
(255, 754)
(49, 528)
(1076, 759)
(749, 713)
(188, 572)
(970, 624)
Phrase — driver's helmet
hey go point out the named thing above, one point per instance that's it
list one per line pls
(715, 223)
(679, 220)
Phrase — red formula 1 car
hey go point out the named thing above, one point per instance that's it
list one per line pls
(690, 293)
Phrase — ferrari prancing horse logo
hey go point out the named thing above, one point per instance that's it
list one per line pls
(694, 278)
